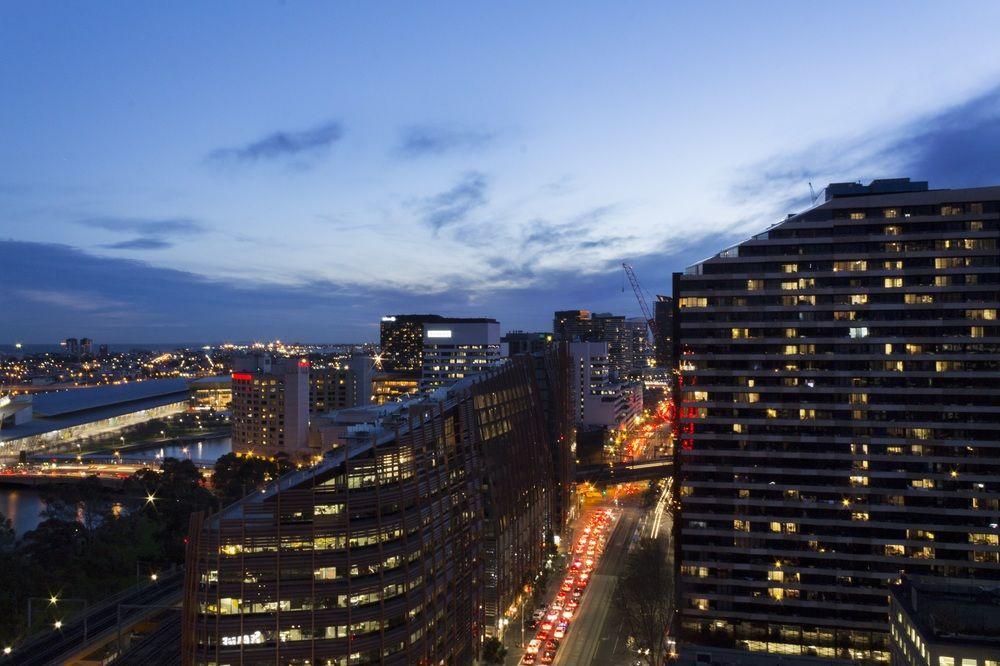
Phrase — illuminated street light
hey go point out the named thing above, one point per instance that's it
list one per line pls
(150, 498)
(7, 650)
(57, 624)
(53, 599)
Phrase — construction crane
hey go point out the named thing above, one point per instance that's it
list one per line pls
(646, 312)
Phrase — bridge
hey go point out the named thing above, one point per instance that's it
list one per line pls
(638, 470)
(101, 634)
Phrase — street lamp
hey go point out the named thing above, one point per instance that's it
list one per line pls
(54, 600)
(57, 624)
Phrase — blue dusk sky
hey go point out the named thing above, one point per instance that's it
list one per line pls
(257, 170)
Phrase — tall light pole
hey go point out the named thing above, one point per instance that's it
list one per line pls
(54, 601)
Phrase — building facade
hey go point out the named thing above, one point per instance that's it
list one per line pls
(270, 405)
(455, 348)
(401, 342)
(943, 622)
(839, 418)
(598, 399)
(407, 545)
(663, 314)
(341, 385)
(520, 342)
(583, 326)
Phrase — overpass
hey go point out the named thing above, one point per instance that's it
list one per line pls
(102, 627)
(638, 470)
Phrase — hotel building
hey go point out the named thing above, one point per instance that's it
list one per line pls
(270, 405)
(839, 418)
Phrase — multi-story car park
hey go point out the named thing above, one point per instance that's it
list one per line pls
(839, 418)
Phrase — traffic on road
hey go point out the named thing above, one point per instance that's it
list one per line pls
(551, 623)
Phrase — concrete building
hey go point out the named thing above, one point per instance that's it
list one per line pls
(71, 346)
(839, 418)
(408, 544)
(394, 386)
(270, 405)
(455, 348)
(640, 349)
(944, 622)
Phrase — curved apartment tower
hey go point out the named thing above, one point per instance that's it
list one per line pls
(403, 546)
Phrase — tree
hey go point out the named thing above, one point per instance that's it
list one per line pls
(493, 651)
(645, 598)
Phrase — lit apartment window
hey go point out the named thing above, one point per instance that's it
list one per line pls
(893, 230)
(859, 299)
(919, 299)
(890, 212)
(975, 225)
(858, 332)
(755, 285)
(893, 282)
(789, 286)
(858, 215)
(977, 331)
(951, 210)
(789, 268)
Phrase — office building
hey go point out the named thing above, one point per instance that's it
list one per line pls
(407, 545)
(944, 622)
(582, 326)
(454, 348)
(401, 347)
(663, 315)
(86, 346)
(340, 385)
(598, 399)
(839, 418)
(270, 405)
(639, 354)
(520, 342)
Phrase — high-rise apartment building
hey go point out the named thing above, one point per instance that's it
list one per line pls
(406, 545)
(270, 405)
(640, 350)
(454, 348)
(839, 418)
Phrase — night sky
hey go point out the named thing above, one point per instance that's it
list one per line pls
(239, 170)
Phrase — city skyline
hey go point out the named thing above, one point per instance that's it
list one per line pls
(316, 167)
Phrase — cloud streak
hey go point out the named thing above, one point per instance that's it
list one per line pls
(279, 145)
(147, 227)
(456, 204)
(423, 140)
(139, 244)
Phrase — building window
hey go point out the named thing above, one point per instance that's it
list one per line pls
(858, 215)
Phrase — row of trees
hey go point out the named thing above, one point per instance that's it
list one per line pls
(94, 538)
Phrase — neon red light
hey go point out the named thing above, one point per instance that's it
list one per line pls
(303, 363)
(242, 377)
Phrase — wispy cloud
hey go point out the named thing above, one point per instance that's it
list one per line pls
(279, 145)
(180, 226)
(455, 205)
(421, 140)
(139, 244)
(81, 301)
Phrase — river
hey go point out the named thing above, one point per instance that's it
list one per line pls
(24, 505)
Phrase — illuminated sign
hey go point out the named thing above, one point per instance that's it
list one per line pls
(242, 377)
(303, 363)
(388, 319)
(439, 333)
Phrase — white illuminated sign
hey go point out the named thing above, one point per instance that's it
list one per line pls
(439, 333)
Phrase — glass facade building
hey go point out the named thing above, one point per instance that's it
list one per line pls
(839, 418)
